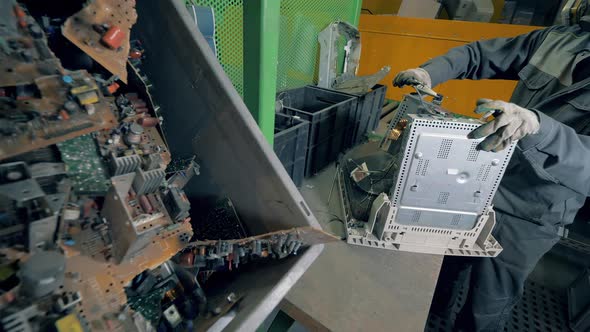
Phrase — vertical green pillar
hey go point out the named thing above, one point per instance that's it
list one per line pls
(356, 14)
(261, 49)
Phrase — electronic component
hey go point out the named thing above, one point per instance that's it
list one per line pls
(40, 102)
(172, 316)
(24, 54)
(103, 33)
(28, 128)
(90, 212)
(182, 171)
(69, 323)
(29, 216)
(84, 166)
(19, 321)
(177, 204)
(221, 222)
(147, 182)
(68, 300)
(42, 273)
(133, 147)
(133, 224)
(442, 187)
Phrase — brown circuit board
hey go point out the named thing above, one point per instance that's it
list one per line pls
(101, 282)
(83, 30)
(42, 120)
(24, 54)
(151, 143)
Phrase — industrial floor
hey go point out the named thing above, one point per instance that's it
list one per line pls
(544, 306)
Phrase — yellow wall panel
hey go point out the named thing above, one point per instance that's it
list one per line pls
(404, 43)
(382, 6)
(392, 7)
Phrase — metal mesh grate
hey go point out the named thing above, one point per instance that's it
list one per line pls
(229, 35)
(301, 21)
(540, 310)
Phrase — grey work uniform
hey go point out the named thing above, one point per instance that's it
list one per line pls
(548, 179)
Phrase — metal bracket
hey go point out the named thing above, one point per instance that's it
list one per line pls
(348, 81)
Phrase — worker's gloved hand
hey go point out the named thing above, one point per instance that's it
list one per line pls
(412, 77)
(511, 122)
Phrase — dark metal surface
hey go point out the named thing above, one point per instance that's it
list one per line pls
(206, 116)
(541, 309)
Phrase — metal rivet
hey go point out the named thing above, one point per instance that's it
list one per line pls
(495, 162)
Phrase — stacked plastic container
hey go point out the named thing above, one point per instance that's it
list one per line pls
(290, 145)
(337, 121)
(368, 112)
(331, 119)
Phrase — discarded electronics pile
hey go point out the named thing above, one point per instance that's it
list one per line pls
(96, 232)
(428, 188)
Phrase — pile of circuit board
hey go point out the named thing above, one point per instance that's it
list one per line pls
(95, 228)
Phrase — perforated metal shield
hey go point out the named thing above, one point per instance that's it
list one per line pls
(443, 180)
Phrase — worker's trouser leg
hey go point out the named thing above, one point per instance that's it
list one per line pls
(497, 283)
(452, 280)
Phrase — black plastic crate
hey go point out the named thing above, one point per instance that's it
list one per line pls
(368, 112)
(327, 111)
(322, 154)
(579, 303)
(290, 145)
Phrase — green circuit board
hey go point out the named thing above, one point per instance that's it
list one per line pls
(85, 166)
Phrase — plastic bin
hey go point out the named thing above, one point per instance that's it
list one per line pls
(324, 153)
(578, 295)
(368, 112)
(205, 116)
(290, 145)
(331, 115)
(326, 110)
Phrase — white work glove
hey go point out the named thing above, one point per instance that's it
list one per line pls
(412, 77)
(511, 123)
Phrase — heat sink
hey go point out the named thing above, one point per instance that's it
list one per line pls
(125, 164)
(146, 182)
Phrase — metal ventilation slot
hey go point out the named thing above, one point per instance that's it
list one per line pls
(422, 168)
(445, 149)
(456, 219)
(443, 197)
(484, 173)
(419, 167)
(473, 152)
(416, 216)
(425, 168)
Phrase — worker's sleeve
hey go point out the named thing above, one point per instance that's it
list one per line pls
(559, 154)
(500, 58)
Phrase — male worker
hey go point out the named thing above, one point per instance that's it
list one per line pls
(548, 178)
